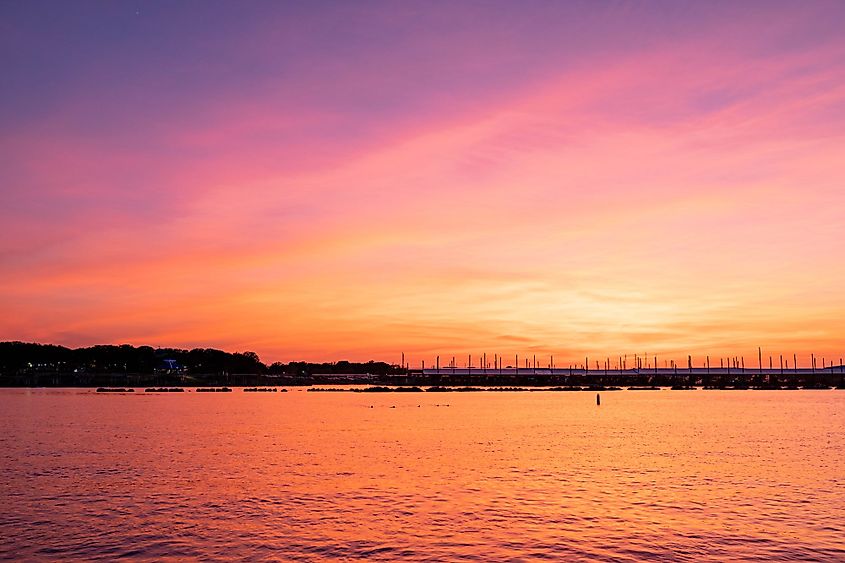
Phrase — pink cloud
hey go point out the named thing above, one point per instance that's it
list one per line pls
(665, 199)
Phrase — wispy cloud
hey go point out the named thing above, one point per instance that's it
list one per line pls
(656, 179)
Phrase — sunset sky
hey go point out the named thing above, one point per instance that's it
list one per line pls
(354, 180)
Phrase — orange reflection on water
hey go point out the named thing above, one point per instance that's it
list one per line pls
(647, 475)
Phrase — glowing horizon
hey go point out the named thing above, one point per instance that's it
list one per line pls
(334, 181)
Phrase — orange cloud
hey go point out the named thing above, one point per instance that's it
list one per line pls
(663, 202)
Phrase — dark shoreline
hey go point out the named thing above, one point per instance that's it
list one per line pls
(432, 389)
(30, 365)
(521, 382)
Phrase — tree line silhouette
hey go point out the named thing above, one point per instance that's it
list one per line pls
(32, 363)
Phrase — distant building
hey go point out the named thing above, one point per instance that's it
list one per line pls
(169, 366)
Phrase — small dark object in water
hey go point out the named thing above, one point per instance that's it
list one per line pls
(437, 389)
(379, 389)
(114, 390)
(598, 399)
(376, 389)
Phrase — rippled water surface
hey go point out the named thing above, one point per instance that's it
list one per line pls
(671, 475)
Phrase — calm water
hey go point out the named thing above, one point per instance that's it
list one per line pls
(656, 475)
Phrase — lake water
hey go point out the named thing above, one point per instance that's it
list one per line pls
(648, 475)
